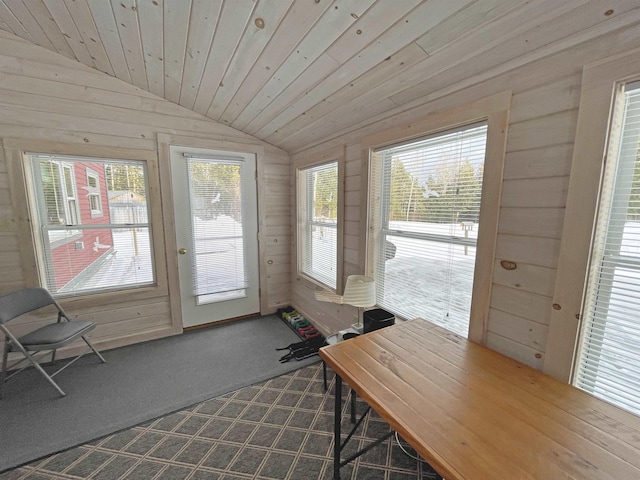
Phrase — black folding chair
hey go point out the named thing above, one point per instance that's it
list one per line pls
(45, 339)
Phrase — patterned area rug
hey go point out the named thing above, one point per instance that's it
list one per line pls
(280, 429)
(138, 383)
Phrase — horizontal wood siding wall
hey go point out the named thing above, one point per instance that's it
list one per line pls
(546, 96)
(47, 97)
(275, 223)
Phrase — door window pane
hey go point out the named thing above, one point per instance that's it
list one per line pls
(216, 204)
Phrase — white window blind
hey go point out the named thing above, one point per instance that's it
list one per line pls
(89, 242)
(425, 212)
(318, 222)
(609, 355)
(217, 207)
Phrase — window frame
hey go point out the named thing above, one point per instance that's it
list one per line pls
(306, 223)
(593, 142)
(382, 222)
(335, 155)
(15, 151)
(72, 166)
(494, 110)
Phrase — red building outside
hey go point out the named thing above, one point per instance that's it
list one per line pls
(86, 202)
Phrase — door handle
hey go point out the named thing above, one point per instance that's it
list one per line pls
(182, 251)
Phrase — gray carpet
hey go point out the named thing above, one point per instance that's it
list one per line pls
(138, 383)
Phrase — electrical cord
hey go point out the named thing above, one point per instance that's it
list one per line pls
(415, 457)
(406, 452)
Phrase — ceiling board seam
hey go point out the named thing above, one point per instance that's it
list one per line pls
(25, 34)
(244, 119)
(217, 108)
(63, 18)
(91, 41)
(229, 116)
(469, 80)
(197, 67)
(199, 105)
(60, 43)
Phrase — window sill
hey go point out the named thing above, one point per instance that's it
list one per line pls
(312, 283)
(113, 296)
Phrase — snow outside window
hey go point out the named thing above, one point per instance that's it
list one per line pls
(608, 363)
(424, 218)
(318, 223)
(218, 214)
(83, 249)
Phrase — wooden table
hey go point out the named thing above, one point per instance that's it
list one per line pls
(474, 414)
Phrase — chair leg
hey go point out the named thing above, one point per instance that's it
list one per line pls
(94, 350)
(36, 364)
(5, 356)
(46, 375)
(41, 370)
(18, 346)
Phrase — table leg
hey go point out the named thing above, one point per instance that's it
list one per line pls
(324, 375)
(353, 406)
(337, 440)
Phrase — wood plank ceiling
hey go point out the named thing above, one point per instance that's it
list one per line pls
(295, 72)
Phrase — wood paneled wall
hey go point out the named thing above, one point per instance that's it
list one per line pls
(44, 96)
(546, 97)
(47, 97)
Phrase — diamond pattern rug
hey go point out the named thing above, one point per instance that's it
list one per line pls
(280, 429)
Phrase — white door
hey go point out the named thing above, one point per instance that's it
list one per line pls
(214, 196)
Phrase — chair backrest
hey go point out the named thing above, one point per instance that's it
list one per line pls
(23, 301)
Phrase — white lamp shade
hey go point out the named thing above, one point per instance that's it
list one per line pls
(360, 291)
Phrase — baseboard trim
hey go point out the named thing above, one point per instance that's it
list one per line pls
(221, 322)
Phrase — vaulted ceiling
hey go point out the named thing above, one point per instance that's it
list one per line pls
(294, 72)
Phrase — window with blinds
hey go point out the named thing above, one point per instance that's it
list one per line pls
(317, 203)
(217, 208)
(425, 210)
(92, 225)
(608, 363)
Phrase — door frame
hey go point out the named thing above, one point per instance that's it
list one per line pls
(165, 141)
